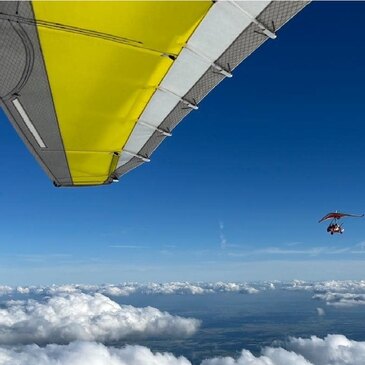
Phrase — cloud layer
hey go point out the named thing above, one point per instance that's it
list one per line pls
(125, 289)
(91, 317)
(82, 353)
(332, 350)
(341, 299)
(334, 293)
(339, 286)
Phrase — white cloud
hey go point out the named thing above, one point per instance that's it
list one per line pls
(320, 311)
(341, 299)
(344, 286)
(222, 237)
(82, 353)
(77, 316)
(332, 350)
(270, 356)
(125, 289)
(116, 290)
(335, 292)
(282, 251)
(295, 249)
(197, 288)
(127, 246)
(5, 290)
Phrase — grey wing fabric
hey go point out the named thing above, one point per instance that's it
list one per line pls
(25, 94)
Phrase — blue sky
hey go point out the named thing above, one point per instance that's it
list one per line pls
(235, 194)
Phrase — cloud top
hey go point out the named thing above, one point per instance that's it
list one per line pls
(331, 350)
(341, 299)
(81, 353)
(91, 317)
(125, 289)
(335, 293)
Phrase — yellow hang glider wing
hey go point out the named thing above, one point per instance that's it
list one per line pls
(94, 87)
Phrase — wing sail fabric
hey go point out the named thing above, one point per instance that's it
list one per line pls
(94, 87)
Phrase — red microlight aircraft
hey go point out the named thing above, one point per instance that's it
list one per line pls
(334, 226)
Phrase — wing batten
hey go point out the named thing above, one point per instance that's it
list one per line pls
(101, 87)
(28, 122)
(247, 41)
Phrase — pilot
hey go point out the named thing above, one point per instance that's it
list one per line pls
(330, 228)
